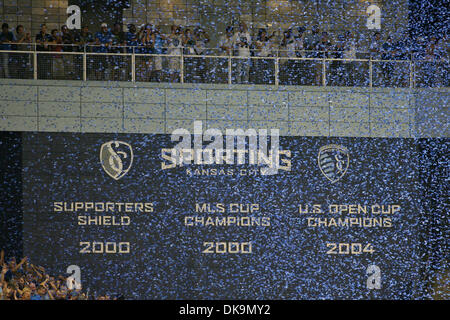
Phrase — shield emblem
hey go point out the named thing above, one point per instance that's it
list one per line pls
(116, 158)
(333, 161)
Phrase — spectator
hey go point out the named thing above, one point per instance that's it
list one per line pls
(443, 52)
(43, 39)
(131, 38)
(263, 68)
(68, 41)
(24, 281)
(337, 72)
(132, 42)
(418, 49)
(225, 48)
(23, 60)
(201, 42)
(302, 66)
(117, 62)
(176, 33)
(322, 48)
(146, 47)
(6, 38)
(189, 50)
(103, 41)
(443, 47)
(174, 49)
(158, 47)
(431, 54)
(83, 39)
(402, 48)
(58, 63)
(349, 53)
(242, 41)
(311, 42)
(430, 65)
(226, 42)
(22, 38)
(300, 42)
(188, 42)
(387, 53)
(289, 47)
(375, 47)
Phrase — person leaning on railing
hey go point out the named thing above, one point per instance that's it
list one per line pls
(312, 40)
(144, 64)
(201, 41)
(84, 39)
(226, 42)
(431, 65)
(22, 61)
(301, 65)
(225, 48)
(158, 47)
(103, 41)
(188, 41)
(68, 59)
(242, 42)
(291, 47)
(6, 38)
(58, 64)
(43, 39)
(388, 52)
(118, 63)
(350, 54)
(175, 50)
(322, 48)
(376, 46)
(336, 75)
(263, 69)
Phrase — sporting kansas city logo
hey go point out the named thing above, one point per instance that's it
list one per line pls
(116, 158)
(333, 161)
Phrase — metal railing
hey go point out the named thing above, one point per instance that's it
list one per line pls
(129, 63)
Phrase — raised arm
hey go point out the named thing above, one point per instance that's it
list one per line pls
(2, 275)
(21, 263)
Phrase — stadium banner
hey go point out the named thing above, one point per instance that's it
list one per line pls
(323, 218)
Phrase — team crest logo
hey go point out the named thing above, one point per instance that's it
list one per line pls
(116, 158)
(333, 161)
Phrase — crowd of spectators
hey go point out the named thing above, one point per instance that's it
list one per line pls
(192, 42)
(25, 281)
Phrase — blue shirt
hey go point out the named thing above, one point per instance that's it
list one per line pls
(132, 41)
(104, 38)
(35, 297)
(9, 36)
(159, 43)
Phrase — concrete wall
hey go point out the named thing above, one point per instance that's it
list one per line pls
(73, 106)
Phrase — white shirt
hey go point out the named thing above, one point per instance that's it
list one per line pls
(350, 51)
(200, 46)
(300, 47)
(243, 51)
(266, 48)
(174, 50)
(291, 46)
(226, 42)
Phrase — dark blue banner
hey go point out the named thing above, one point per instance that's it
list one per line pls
(341, 218)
